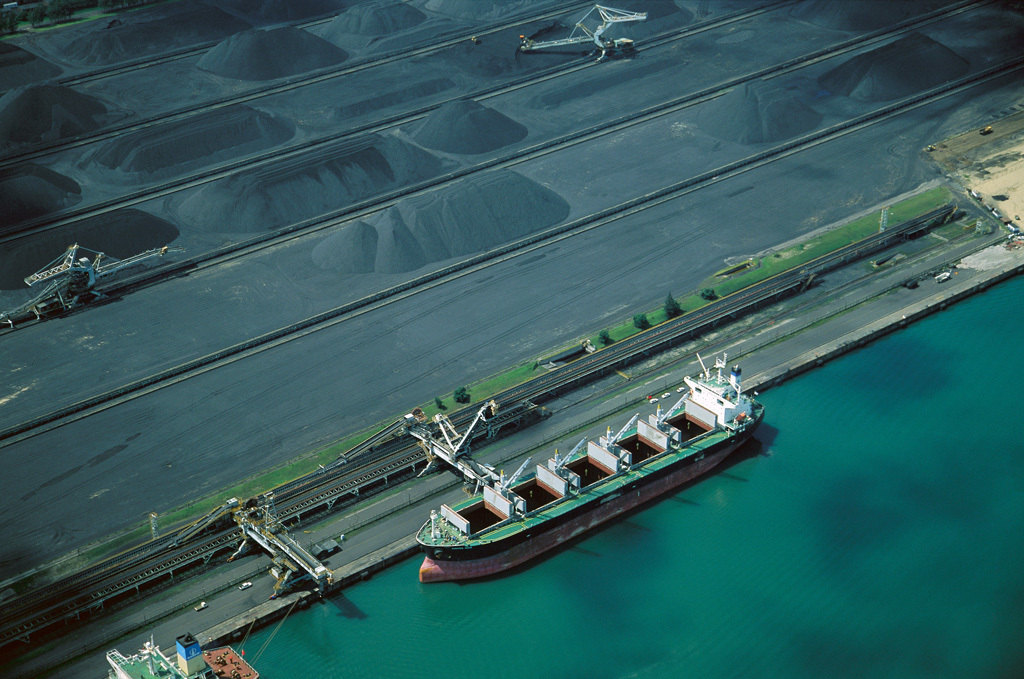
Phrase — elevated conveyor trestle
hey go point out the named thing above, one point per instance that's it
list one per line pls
(292, 562)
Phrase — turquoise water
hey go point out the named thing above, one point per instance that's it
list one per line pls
(879, 531)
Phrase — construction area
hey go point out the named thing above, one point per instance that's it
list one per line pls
(233, 234)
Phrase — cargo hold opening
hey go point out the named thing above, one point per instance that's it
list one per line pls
(480, 517)
(688, 427)
(536, 495)
(641, 449)
(588, 472)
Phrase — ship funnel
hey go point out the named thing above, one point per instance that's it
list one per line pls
(734, 379)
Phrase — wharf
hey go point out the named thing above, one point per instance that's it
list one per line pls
(379, 532)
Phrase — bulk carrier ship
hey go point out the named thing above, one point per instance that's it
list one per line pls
(512, 522)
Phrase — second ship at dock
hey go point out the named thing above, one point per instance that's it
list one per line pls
(512, 522)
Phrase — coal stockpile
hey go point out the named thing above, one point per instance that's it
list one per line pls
(35, 113)
(120, 234)
(269, 54)
(757, 113)
(899, 69)
(18, 67)
(29, 190)
(308, 186)
(864, 15)
(124, 39)
(285, 10)
(474, 215)
(366, 21)
(181, 146)
(466, 127)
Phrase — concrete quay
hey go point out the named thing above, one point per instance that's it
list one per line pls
(379, 533)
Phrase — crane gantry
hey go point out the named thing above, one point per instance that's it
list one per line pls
(70, 278)
(581, 34)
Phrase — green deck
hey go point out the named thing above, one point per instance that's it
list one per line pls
(450, 535)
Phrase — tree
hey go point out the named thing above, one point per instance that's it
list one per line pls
(672, 308)
(708, 294)
(641, 322)
(461, 395)
(60, 10)
(8, 22)
(605, 337)
(439, 403)
(38, 14)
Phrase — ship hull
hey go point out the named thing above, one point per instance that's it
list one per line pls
(438, 570)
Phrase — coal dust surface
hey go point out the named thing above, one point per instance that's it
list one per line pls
(477, 214)
(47, 112)
(899, 69)
(284, 10)
(29, 190)
(362, 23)
(20, 67)
(756, 113)
(127, 37)
(466, 127)
(484, 10)
(120, 234)
(266, 54)
(202, 140)
(863, 15)
(389, 99)
(308, 185)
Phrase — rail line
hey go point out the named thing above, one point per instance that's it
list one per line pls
(134, 568)
(561, 379)
(277, 87)
(270, 158)
(591, 221)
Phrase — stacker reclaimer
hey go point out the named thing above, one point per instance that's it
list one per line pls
(70, 279)
(581, 34)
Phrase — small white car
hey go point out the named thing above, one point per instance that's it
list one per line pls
(202, 605)
(666, 395)
(653, 400)
(245, 585)
(680, 390)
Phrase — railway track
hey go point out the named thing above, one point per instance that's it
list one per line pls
(646, 201)
(443, 41)
(88, 589)
(564, 378)
(298, 149)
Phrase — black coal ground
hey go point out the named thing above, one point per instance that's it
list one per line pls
(466, 127)
(206, 432)
(267, 54)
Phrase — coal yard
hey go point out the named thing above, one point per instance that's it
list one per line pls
(379, 201)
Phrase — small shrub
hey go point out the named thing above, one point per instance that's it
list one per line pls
(641, 322)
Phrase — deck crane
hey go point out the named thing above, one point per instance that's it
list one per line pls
(581, 34)
(444, 442)
(69, 278)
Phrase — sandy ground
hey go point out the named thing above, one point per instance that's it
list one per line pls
(991, 164)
